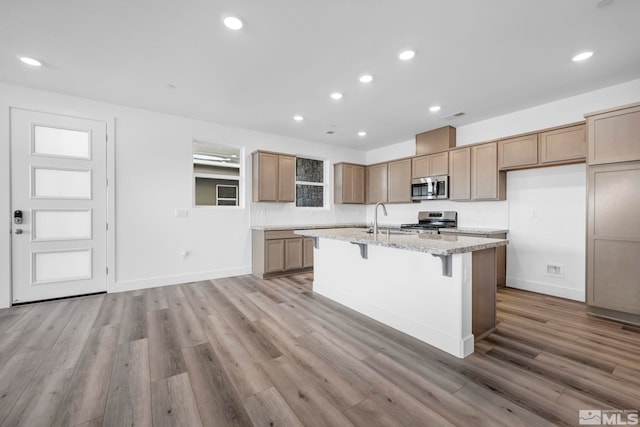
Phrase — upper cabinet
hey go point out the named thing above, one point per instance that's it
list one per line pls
(563, 145)
(348, 183)
(440, 139)
(552, 147)
(487, 183)
(516, 152)
(614, 135)
(431, 165)
(377, 183)
(399, 181)
(460, 174)
(274, 178)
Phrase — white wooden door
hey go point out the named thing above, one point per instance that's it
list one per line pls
(58, 182)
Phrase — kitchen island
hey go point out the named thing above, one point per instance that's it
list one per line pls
(439, 289)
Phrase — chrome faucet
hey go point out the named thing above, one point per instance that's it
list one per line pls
(375, 217)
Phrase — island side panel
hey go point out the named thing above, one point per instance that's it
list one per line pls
(403, 289)
(484, 273)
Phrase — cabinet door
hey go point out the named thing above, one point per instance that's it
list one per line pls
(274, 255)
(484, 171)
(518, 152)
(460, 174)
(293, 254)
(563, 145)
(399, 181)
(613, 136)
(439, 163)
(420, 167)
(613, 237)
(307, 251)
(286, 179)
(267, 177)
(357, 184)
(377, 183)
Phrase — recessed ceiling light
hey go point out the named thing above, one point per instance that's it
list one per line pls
(232, 23)
(298, 118)
(366, 78)
(406, 55)
(582, 56)
(362, 133)
(31, 61)
(336, 95)
(434, 109)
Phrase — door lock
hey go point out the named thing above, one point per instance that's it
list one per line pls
(17, 217)
(18, 231)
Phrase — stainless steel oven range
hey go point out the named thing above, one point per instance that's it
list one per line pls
(432, 221)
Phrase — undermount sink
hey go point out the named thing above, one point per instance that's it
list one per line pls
(387, 231)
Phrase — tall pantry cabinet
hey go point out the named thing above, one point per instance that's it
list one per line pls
(613, 214)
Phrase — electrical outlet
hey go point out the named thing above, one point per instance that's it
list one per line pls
(181, 213)
(554, 270)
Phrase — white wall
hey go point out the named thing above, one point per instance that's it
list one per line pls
(547, 224)
(556, 191)
(153, 179)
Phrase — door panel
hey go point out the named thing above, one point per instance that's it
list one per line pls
(58, 181)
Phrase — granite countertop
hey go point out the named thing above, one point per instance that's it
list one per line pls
(306, 226)
(437, 244)
(474, 230)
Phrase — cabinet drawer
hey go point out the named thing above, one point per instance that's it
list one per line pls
(279, 234)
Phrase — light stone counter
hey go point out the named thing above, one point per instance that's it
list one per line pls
(305, 226)
(474, 230)
(435, 244)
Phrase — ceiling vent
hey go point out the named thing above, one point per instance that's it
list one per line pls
(455, 115)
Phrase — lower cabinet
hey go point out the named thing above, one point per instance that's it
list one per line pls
(280, 252)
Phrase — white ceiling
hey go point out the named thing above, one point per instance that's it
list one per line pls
(485, 58)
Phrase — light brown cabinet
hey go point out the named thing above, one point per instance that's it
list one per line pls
(487, 183)
(613, 223)
(376, 183)
(563, 145)
(516, 152)
(399, 181)
(349, 183)
(280, 252)
(555, 146)
(435, 140)
(274, 177)
(613, 135)
(460, 174)
(431, 165)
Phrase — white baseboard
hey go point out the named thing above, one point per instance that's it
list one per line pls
(152, 282)
(547, 289)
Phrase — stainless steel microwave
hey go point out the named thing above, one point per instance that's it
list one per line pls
(430, 188)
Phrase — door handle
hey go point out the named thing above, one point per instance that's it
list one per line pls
(18, 231)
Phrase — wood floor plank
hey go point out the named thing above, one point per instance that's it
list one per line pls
(243, 370)
(111, 310)
(86, 396)
(369, 413)
(237, 297)
(165, 355)
(67, 349)
(218, 403)
(129, 400)
(340, 392)
(268, 408)
(15, 376)
(310, 405)
(48, 331)
(39, 401)
(134, 319)
(173, 403)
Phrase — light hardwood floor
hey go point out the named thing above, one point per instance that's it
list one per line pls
(243, 351)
